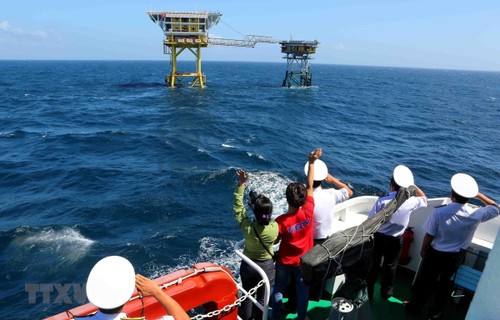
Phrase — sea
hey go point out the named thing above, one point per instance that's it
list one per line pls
(101, 158)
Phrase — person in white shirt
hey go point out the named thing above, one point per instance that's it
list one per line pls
(449, 231)
(111, 283)
(325, 200)
(388, 239)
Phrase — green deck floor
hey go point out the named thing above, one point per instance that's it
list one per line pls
(390, 309)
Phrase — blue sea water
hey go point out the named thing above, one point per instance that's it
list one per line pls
(101, 158)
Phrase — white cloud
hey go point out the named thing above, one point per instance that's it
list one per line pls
(340, 46)
(5, 25)
(7, 28)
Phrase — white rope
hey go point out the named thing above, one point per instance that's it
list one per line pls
(241, 34)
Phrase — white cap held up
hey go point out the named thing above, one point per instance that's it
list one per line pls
(320, 170)
(111, 282)
(402, 176)
(464, 185)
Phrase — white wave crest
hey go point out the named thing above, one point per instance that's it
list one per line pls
(273, 186)
(67, 242)
(255, 155)
(60, 237)
(218, 251)
(214, 250)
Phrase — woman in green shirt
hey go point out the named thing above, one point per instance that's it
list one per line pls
(259, 236)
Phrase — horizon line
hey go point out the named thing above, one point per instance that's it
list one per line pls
(246, 61)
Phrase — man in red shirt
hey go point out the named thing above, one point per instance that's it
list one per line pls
(296, 235)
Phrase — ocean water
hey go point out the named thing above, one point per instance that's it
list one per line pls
(101, 158)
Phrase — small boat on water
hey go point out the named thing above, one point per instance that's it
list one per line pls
(211, 291)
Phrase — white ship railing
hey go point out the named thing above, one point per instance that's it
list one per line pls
(238, 248)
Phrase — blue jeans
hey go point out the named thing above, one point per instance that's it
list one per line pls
(283, 274)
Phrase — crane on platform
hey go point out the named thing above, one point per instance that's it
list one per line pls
(248, 42)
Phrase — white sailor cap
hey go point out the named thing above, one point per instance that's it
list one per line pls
(402, 176)
(320, 170)
(111, 282)
(464, 185)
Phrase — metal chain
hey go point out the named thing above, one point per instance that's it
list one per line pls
(228, 307)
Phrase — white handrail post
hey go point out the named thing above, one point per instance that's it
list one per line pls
(267, 287)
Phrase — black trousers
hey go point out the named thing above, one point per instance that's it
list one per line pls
(435, 274)
(389, 248)
(249, 279)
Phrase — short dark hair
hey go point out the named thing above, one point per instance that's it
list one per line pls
(317, 183)
(394, 184)
(263, 209)
(296, 194)
(458, 198)
(112, 311)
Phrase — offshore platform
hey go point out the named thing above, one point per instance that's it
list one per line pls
(189, 30)
(297, 55)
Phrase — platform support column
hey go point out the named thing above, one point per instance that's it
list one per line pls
(299, 76)
(173, 73)
(199, 77)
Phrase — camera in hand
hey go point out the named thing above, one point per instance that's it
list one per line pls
(253, 196)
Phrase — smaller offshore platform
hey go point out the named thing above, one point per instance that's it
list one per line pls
(185, 30)
(297, 55)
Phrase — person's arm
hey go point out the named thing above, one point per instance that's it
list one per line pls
(278, 239)
(419, 192)
(339, 184)
(310, 174)
(238, 206)
(426, 244)
(484, 199)
(148, 287)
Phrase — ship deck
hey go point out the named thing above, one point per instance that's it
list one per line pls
(382, 309)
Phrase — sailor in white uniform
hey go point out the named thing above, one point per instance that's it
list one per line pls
(449, 231)
(110, 285)
(325, 200)
(388, 239)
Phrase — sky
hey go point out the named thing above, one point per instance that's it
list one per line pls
(442, 34)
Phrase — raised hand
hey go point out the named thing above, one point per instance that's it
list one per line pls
(243, 176)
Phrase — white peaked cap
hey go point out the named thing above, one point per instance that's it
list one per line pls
(403, 176)
(320, 170)
(111, 282)
(464, 185)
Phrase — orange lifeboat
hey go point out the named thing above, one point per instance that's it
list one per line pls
(206, 285)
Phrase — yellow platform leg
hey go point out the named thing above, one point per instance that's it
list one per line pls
(173, 72)
(198, 77)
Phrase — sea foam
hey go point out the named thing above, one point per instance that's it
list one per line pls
(68, 242)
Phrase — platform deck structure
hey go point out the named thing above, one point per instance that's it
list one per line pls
(297, 55)
(185, 30)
